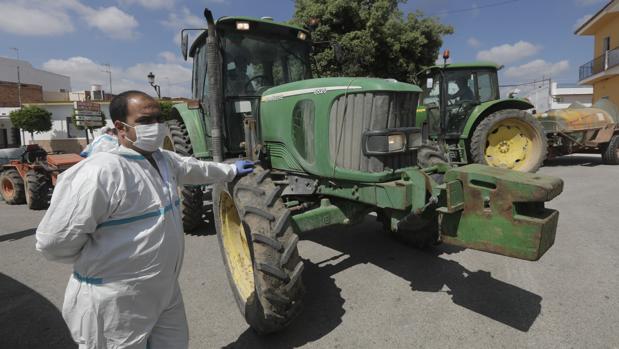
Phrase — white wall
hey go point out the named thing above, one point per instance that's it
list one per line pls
(30, 75)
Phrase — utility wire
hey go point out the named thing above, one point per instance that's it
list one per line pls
(473, 8)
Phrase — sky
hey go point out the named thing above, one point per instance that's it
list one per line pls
(533, 39)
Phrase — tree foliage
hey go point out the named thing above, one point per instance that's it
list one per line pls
(32, 119)
(377, 40)
(166, 108)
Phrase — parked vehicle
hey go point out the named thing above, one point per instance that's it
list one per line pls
(30, 179)
(580, 129)
(329, 152)
(462, 108)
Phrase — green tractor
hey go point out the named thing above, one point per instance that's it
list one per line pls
(462, 110)
(329, 152)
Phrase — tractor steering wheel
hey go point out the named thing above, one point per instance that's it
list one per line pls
(248, 83)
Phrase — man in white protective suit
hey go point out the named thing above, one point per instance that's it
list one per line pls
(115, 216)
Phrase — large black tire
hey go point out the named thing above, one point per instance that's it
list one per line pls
(275, 297)
(525, 123)
(37, 190)
(610, 152)
(192, 206)
(12, 187)
(430, 155)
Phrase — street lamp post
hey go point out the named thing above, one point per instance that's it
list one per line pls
(18, 76)
(108, 70)
(151, 81)
(23, 135)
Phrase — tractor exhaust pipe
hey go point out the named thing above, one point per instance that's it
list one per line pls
(215, 86)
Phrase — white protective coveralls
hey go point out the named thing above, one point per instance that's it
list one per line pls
(118, 221)
(104, 142)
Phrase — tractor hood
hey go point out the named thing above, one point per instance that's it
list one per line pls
(324, 85)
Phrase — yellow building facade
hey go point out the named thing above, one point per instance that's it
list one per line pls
(603, 71)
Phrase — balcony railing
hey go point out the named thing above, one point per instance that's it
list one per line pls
(599, 64)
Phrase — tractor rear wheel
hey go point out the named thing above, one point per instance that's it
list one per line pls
(511, 139)
(610, 153)
(37, 190)
(192, 197)
(12, 187)
(259, 250)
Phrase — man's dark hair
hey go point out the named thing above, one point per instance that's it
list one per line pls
(118, 105)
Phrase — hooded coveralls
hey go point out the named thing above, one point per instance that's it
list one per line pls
(105, 142)
(118, 221)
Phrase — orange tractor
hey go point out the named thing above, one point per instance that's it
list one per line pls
(31, 179)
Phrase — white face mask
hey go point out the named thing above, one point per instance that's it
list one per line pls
(149, 137)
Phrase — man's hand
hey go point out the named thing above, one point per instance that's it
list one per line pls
(244, 167)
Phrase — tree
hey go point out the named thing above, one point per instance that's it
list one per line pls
(32, 119)
(377, 40)
(166, 108)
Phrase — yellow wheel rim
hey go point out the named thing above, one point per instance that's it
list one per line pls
(513, 144)
(236, 247)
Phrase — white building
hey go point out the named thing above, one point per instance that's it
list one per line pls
(564, 95)
(546, 95)
(50, 82)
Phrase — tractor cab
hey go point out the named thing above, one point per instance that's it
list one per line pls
(255, 55)
(452, 91)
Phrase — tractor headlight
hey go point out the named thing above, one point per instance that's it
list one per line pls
(391, 141)
(301, 36)
(242, 25)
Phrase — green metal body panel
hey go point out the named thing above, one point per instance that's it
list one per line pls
(198, 129)
(499, 211)
(489, 107)
(480, 111)
(276, 108)
(328, 214)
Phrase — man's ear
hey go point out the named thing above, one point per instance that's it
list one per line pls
(120, 127)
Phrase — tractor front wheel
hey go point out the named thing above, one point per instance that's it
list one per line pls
(12, 187)
(610, 153)
(259, 250)
(37, 190)
(511, 139)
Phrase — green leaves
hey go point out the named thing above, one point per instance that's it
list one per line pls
(32, 119)
(376, 38)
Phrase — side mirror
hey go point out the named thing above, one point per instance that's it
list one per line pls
(338, 52)
(184, 43)
(429, 83)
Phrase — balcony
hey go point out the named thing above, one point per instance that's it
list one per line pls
(599, 67)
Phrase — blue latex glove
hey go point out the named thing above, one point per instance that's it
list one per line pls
(244, 167)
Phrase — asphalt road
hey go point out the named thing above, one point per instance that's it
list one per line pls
(367, 291)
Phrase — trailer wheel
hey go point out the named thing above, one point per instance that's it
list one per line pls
(192, 207)
(610, 153)
(509, 138)
(12, 187)
(37, 190)
(259, 250)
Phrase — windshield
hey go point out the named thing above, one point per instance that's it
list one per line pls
(253, 63)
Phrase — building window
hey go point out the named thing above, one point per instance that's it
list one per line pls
(71, 130)
(606, 44)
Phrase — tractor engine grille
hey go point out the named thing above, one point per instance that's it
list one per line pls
(353, 114)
